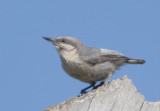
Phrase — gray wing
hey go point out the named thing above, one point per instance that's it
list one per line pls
(117, 59)
(94, 56)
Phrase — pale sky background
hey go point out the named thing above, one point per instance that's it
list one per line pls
(31, 77)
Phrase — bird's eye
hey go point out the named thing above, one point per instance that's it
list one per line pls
(63, 40)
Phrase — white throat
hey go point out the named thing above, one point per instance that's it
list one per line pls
(68, 55)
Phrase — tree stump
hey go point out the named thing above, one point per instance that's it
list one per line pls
(119, 95)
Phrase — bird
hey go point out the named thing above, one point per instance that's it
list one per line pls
(89, 64)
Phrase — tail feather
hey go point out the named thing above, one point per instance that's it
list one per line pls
(135, 61)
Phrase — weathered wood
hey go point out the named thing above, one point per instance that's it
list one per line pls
(119, 95)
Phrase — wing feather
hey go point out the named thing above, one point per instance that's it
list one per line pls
(106, 58)
(93, 56)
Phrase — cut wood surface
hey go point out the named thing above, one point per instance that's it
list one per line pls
(119, 95)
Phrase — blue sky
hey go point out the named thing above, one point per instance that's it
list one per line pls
(31, 77)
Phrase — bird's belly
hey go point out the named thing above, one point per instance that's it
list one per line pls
(88, 73)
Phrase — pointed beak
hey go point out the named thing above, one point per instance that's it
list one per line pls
(50, 40)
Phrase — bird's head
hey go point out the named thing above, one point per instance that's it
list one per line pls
(65, 44)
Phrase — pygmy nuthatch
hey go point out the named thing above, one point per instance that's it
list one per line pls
(88, 64)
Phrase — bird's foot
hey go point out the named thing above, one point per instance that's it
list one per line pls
(83, 91)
